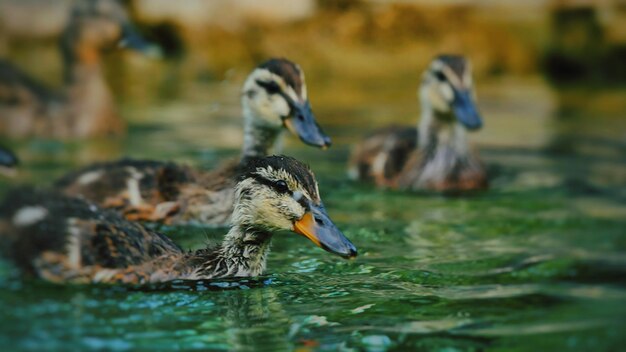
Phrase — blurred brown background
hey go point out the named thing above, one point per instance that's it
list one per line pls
(534, 62)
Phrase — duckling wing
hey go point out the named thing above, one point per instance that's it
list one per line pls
(140, 189)
(61, 238)
(156, 191)
(381, 156)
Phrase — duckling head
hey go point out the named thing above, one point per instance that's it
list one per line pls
(99, 25)
(279, 193)
(8, 162)
(275, 97)
(448, 89)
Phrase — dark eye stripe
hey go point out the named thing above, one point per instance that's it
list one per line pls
(440, 76)
(270, 87)
(273, 184)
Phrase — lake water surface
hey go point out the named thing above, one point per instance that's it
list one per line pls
(536, 263)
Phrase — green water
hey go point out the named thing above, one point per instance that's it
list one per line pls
(536, 263)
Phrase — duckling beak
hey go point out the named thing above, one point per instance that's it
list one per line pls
(466, 111)
(317, 227)
(302, 123)
(133, 40)
(8, 163)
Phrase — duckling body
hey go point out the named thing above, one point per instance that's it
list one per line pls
(274, 98)
(85, 106)
(69, 240)
(437, 155)
(155, 191)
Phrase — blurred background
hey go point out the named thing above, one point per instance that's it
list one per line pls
(535, 263)
(550, 74)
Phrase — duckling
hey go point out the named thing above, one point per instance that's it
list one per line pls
(85, 106)
(69, 240)
(274, 98)
(8, 162)
(436, 156)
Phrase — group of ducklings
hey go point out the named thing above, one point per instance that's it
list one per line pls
(89, 227)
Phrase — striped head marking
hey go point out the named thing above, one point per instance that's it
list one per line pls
(280, 193)
(447, 86)
(275, 96)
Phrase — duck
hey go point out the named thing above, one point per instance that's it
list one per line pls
(274, 99)
(85, 106)
(435, 156)
(64, 239)
(8, 162)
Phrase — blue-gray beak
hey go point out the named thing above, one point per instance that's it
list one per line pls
(7, 158)
(302, 123)
(133, 40)
(465, 110)
(317, 227)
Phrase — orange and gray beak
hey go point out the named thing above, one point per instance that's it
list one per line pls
(317, 227)
(301, 122)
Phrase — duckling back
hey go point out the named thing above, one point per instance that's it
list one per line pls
(64, 239)
(381, 156)
(156, 191)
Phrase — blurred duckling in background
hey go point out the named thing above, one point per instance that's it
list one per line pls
(8, 162)
(437, 155)
(85, 107)
(274, 98)
(68, 240)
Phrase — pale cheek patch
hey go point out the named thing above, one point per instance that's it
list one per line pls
(437, 101)
(280, 106)
(447, 91)
(29, 215)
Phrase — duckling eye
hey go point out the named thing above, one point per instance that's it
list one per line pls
(440, 76)
(270, 87)
(281, 186)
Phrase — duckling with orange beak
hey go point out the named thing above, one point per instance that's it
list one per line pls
(68, 240)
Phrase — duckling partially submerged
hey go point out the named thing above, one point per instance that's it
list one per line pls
(85, 107)
(274, 99)
(437, 156)
(65, 239)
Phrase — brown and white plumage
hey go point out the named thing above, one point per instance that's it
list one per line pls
(85, 107)
(65, 239)
(274, 99)
(437, 155)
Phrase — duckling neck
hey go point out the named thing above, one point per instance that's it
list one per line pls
(89, 104)
(243, 252)
(438, 130)
(258, 140)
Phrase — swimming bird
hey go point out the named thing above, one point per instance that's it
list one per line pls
(274, 99)
(69, 240)
(85, 107)
(437, 155)
(8, 162)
